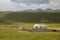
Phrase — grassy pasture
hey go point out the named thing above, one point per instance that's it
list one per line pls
(9, 33)
(13, 34)
(30, 25)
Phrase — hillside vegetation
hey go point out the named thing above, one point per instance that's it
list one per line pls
(29, 17)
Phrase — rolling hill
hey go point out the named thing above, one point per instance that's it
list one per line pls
(29, 17)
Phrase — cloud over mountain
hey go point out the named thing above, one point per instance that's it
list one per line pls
(32, 1)
(16, 5)
(54, 4)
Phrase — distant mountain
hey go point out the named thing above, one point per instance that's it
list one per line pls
(41, 10)
(51, 10)
(37, 10)
(30, 10)
(48, 9)
(58, 10)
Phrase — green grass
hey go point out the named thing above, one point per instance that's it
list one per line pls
(8, 33)
(30, 25)
(13, 34)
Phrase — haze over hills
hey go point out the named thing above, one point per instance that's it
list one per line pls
(36, 10)
(41, 10)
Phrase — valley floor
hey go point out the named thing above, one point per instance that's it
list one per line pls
(13, 34)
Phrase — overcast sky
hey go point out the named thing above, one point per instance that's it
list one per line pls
(16, 5)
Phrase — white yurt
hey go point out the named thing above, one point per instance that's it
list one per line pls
(40, 26)
(37, 26)
(43, 27)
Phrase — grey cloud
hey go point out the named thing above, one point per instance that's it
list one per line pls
(6, 5)
(31, 1)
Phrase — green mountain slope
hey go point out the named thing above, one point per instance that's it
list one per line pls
(29, 17)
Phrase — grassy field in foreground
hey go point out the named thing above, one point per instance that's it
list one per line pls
(13, 34)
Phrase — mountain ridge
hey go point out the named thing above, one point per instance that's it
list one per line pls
(41, 10)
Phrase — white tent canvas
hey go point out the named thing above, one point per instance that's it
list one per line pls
(40, 26)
